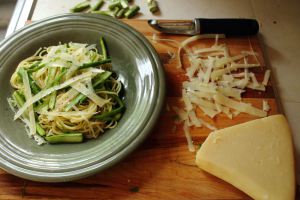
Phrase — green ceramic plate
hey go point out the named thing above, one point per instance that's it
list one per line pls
(140, 70)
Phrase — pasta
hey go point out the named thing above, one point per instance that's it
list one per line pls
(66, 93)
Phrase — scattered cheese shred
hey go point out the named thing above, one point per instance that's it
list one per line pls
(231, 92)
(187, 101)
(256, 87)
(207, 107)
(266, 106)
(227, 112)
(254, 80)
(194, 119)
(266, 77)
(239, 106)
(210, 66)
(219, 72)
(223, 61)
(188, 136)
(207, 125)
(209, 50)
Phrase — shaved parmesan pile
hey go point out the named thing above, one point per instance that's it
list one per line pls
(216, 82)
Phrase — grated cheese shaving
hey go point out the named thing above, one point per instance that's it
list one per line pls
(212, 49)
(184, 43)
(89, 93)
(255, 87)
(266, 106)
(193, 68)
(227, 112)
(194, 119)
(219, 72)
(231, 92)
(187, 101)
(188, 136)
(63, 100)
(207, 125)
(223, 61)
(239, 106)
(207, 74)
(207, 107)
(266, 77)
(236, 113)
(254, 80)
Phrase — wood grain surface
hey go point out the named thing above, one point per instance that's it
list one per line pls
(162, 167)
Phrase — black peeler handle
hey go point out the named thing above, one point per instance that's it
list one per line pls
(229, 27)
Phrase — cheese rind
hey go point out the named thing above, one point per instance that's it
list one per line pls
(256, 157)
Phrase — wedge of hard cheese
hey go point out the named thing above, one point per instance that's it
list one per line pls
(256, 157)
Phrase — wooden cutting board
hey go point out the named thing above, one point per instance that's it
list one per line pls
(162, 167)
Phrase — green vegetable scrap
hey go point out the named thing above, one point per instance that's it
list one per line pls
(81, 7)
(121, 12)
(124, 4)
(132, 11)
(98, 5)
(65, 138)
(19, 98)
(116, 8)
(153, 6)
(115, 4)
(40, 130)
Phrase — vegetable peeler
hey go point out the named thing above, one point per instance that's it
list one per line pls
(227, 26)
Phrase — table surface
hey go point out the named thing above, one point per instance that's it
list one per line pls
(279, 33)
